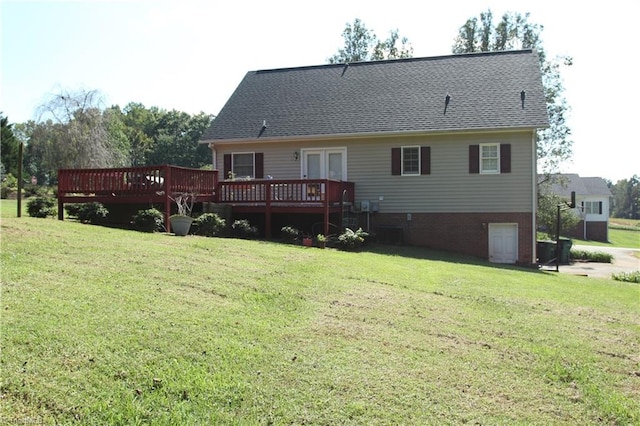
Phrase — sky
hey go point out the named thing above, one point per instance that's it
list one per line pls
(190, 55)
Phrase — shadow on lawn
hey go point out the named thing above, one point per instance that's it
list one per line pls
(443, 256)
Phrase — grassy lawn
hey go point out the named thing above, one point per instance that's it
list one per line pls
(622, 233)
(106, 326)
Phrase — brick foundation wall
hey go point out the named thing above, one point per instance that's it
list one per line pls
(465, 233)
(596, 231)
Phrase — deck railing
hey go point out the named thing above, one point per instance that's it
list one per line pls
(136, 181)
(159, 184)
(293, 191)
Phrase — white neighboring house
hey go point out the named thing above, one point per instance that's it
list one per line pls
(592, 204)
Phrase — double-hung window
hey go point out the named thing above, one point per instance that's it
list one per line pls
(490, 158)
(243, 165)
(410, 160)
(592, 207)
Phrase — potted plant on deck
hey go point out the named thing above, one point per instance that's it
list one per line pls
(322, 240)
(181, 221)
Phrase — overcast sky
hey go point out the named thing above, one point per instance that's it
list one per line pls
(190, 55)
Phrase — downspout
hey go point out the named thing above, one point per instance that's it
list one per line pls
(214, 158)
(534, 198)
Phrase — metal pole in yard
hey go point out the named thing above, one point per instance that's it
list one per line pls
(558, 240)
(20, 154)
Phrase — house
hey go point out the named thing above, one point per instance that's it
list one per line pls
(592, 196)
(441, 151)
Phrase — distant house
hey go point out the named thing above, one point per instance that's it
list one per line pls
(592, 204)
(440, 151)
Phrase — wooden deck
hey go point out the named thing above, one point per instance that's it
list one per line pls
(154, 184)
(158, 184)
(269, 196)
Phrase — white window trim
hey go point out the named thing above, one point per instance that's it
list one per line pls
(324, 153)
(233, 157)
(591, 205)
(489, 172)
(402, 161)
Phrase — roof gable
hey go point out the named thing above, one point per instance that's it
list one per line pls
(564, 184)
(484, 91)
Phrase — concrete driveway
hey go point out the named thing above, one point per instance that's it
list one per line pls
(623, 261)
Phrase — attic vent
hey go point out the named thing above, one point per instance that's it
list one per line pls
(522, 96)
(344, 69)
(446, 102)
(263, 128)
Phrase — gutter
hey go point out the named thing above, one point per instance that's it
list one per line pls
(367, 135)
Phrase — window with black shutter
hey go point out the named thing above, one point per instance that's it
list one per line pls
(411, 161)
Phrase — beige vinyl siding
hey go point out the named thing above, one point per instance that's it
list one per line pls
(449, 188)
(279, 161)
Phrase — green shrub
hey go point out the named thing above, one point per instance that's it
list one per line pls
(243, 229)
(72, 209)
(35, 190)
(88, 212)
(9, 185)
(352, 240)
(209, 224)
(591, 256)
(630, 277)
(149, 220)
(290, 234)
(42, 207)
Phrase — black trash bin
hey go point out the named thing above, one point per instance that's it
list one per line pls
(546, 251)
(565, 250)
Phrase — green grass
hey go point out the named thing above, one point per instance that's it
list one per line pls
(106, 326)
(617, 238)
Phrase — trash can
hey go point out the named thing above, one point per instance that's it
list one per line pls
(546, 251)
(565, 250)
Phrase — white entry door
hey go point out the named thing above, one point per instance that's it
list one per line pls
(324, 164)
(503, 242)
(313, 165)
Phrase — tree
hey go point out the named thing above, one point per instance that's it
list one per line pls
(176, 140)
(547, 214)
(626, 198)
(362, 44)
(9, 147)
(39, 155)
(79, 134)
(514, 31)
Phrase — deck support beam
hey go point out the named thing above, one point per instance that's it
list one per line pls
(267, 212)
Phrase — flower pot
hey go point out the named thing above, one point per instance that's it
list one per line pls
(307, 242)
(180, 225)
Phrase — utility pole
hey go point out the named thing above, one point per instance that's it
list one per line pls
(20, 154)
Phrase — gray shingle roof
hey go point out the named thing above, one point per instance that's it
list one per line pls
(406, 95)
(563, 184)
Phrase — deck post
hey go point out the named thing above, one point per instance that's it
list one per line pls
(326, 208)
(60, 208)
(167, 198)
(267, 211)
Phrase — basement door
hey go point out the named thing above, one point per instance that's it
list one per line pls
(503, 242)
